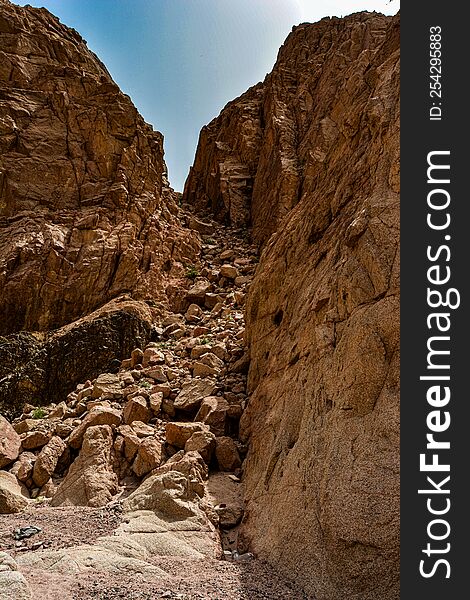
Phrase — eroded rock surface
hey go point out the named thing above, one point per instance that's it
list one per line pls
(310, 158)
(85, 206)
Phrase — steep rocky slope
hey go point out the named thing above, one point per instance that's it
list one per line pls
(310, 158)
(85, 206)
(86, 212)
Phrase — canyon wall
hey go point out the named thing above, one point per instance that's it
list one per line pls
(89, 227)
(310, 160)
(85, 206)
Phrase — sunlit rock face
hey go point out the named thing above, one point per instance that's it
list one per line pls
(85, 206)
(310, 159)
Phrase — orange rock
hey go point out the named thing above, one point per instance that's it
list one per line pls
(10, 443)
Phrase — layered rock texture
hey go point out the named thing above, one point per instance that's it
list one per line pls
(86, 212)
(310, 158)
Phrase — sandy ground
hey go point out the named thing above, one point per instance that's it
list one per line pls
(193, 580)
(185, 580)
(61, 527)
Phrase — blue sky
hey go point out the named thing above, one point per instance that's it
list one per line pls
(181, 61)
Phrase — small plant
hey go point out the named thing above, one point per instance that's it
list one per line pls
(192, 272)
(204, 340)
(210, 241)
(145, 384)
(38, 413)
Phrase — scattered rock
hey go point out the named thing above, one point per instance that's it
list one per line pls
(47, 460)
(13, 494)
(10, 443)
(227, 454)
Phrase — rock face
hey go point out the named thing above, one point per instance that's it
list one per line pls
(86, 212)
(85, 206)
(310, 158)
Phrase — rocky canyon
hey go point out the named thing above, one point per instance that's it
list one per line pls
(199, 393)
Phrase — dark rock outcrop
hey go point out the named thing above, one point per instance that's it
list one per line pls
(38, 369)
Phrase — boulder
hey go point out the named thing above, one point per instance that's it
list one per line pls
(201, 369)
(23, 467)
(97, 416)
(152, 356)
(157, 373)
(131, 442)
(58, 412)
(201, 226)
(213, 412)
(35, 439)
(47, 460)
(211, 300)
(226, 452)
(10, 443)
(192, 393)
(149, 457)
(90, 480)
(212, 360)
(142, 430)
(197, 292)
(155, 402)
(25, 425)
(172, 489)
(202, 442)
(228, 271)
(13, 494)
(136, 409)
(137, 357)
(194, 313)
(177, 434)
(107, 387)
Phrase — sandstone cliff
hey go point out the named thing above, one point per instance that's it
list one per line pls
(84, 201)
(310, 159)
(86, 211)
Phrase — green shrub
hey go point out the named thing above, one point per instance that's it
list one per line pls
(38, 413)
(192, 272)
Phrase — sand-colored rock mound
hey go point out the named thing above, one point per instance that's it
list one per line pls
(316, 148)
